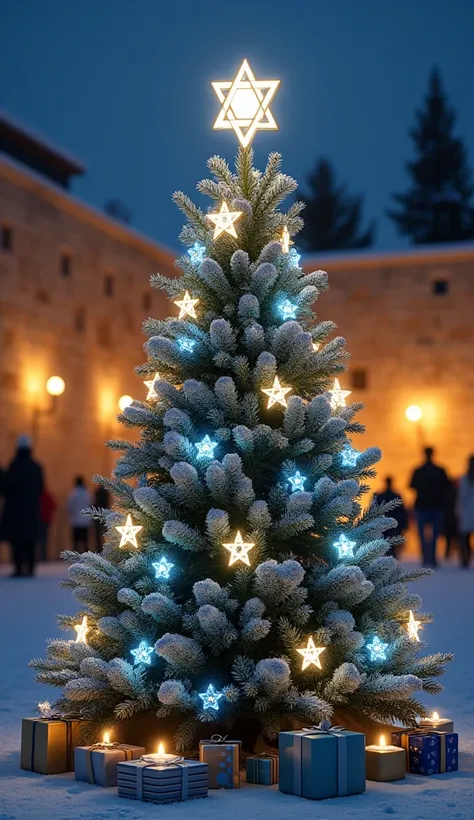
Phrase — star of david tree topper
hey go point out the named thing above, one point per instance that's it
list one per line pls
(245, 104)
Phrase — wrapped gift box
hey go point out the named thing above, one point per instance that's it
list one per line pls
(98, 764)
(428, 752)
(322, 763)
(47, 744)
(223, 759)
(162, 782)
(262, 769)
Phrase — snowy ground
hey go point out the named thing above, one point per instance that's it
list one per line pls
(26, 616)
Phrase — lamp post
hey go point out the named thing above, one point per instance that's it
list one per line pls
(414, 414)
(55, 387)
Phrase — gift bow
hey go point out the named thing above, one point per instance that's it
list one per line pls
(179, 762)
(324, 727)
(219, 738)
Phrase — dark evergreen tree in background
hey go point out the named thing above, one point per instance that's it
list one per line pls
(332, 216)
(438, 204)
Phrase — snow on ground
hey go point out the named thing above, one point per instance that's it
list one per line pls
(27, 607)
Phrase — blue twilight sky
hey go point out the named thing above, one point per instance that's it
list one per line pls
(125, 85)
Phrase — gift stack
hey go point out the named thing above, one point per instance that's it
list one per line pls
(48, 741)
(428, 751)
(322, 762)
(223, 760)
(163, 782)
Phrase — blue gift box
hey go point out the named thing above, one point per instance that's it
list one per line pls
(162, 782)
(262, 769)
(320, 763)
(428, 752)
(223, 759)
(98, 764)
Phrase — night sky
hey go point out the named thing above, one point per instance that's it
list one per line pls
(125, 86)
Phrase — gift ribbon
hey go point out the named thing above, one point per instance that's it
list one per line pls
(68, 722)
(179, 763)
(219, 738)
(97, 747)
(324, 728)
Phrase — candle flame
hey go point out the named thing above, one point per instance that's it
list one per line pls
(382, 743)
(161, 749)
(106, 737)
(435, 716)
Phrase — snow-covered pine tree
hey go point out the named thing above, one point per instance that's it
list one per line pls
(254, 545)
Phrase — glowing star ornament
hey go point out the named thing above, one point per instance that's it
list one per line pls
(186, 306)
(186, 344)
(245, 104)
(413, 627)
(142, 654)
(162, 568)
(285, 240)
(377, 649)
(276, 393)
(288, 309)
(349, 456)
(82, 629)
(210, 698)
(223, 221)
(205, 448)
(344, 546)
(197, 253)
(297, 482)
(294, 258)
(311, 654)
(129, 533)
(338, 396)
(239, 550)
(316, 346)
(150, 383)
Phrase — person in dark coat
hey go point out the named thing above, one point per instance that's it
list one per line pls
(22, 488)
(431, 485)
(399, 513)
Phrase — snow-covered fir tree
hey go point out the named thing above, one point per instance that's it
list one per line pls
(242, 575)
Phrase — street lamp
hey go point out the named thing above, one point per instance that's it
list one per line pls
(413, 413)
(124, 401)
(55, 387)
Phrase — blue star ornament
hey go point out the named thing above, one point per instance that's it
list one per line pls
(205, 448)
(162, 568)
(197, 253)
(210, 698)
(288, 309)
(142, 654)
(349, 456)
(377, 649)
(294, 258)
(344, 546)
(297, 482)
(186, 344)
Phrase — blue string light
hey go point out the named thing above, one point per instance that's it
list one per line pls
(162, 568)
(142, 654)
(349, 456)
(377, 649)
(288, 309)
(210, 698)
(197, 253)
(294, 258)
(186, 344)
(206, 447)
(344, 546)
(297, 482)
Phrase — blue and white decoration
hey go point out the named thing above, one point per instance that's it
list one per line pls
(344, 546)
(377, 649)
(162, 568)
(142, 654)
(294, 258)
(186, 344)
(349, 456)
(197, 253)
(205, 448)
(288, 309)
(210, 698)
(297, 482)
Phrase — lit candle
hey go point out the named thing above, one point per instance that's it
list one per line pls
(106, 739)
(385, 763)
(160, 756)
(437, 723)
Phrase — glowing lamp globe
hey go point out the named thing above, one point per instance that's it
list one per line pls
(55, 386)
(413, 412)
(124, 401)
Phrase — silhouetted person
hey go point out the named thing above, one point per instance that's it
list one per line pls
(22, 488)
(450, 522)
(431, 485)
(399, 513)
(78, 500)
(47, 508)
(101, 500)
(465, 507)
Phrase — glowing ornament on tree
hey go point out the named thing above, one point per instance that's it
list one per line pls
(294, 258)
(245, 104)
(349, 456)
(162, 568)
(285, 240)
(150, 383)
(316, 346)
(338, 396)
(288, 309)
(197, 253)
(297, 482)
(186, 345)
(276, 393)
(239, 550)
(186, 306)
(142, 654)
(210, 698)
(344, 546)
(311, 654)
(82, 629)
(377, 649)
(205, 448)
(129, 533)
(413, 627)
(223, 221)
